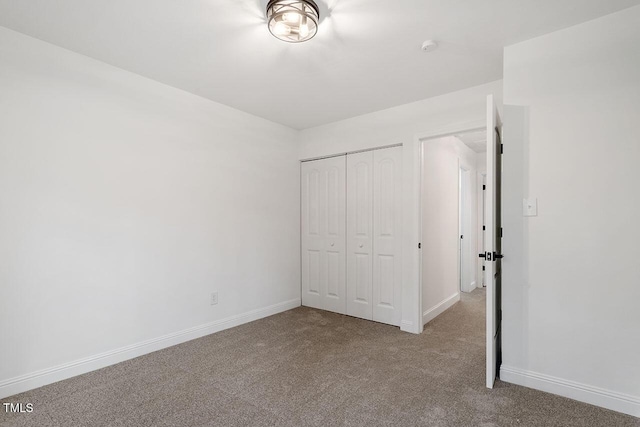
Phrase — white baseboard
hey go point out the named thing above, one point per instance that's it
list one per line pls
(472, 286)
(57, 373)
(439, 308)
(582, 392)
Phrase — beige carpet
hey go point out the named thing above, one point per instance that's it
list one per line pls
(307, 367)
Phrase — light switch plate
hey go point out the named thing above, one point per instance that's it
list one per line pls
(530, 207)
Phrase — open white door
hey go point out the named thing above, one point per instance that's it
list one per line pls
(492, 244)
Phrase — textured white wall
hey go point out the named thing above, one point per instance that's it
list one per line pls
(124, 203)
(571, 274)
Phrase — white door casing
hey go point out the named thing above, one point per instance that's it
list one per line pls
(323, 234)
(464, 214)
(360, 234)
(387, 232)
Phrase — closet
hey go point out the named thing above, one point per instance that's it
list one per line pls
(351, 234)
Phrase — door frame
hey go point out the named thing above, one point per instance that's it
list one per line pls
(418, 148)
(464, 226)
(481, 179)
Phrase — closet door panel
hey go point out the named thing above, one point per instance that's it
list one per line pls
(323, 234)
(360, 234)
(312, 239)
(334, 295)
(387, 235)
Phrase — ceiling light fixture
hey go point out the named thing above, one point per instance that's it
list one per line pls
(293, 21)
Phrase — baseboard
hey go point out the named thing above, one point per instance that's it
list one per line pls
(584, 393)
(61, 372)
(440, 308)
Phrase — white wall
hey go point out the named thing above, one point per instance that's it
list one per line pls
(123, 204)
(401, 124)
(442, 158)
(571, 274)
(405, 124)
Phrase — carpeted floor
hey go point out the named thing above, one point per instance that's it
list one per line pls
(307, 367)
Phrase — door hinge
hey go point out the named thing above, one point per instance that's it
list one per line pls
(461, 237)
(484, 187)
(501, 148)
(483, 268)
(419, 245)
(500, 232)
(484, 228)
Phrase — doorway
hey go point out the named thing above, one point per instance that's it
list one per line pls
(435, 240)
(450, 224)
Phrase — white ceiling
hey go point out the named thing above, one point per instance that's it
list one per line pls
(366, 56)
(476, 140)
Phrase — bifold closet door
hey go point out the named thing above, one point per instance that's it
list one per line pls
(374, 239)
(323, 234)
(360, 235)
(387, 235)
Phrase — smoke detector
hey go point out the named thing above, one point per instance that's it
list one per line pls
(429, 46)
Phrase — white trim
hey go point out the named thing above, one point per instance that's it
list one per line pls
(407, 326)
(469, 126)
(346, 153)
(440, 308)
(57, 373)
(615, 401)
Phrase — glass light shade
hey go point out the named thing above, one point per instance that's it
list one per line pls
(293, 21)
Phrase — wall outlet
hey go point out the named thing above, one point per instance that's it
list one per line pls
(214, 298)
